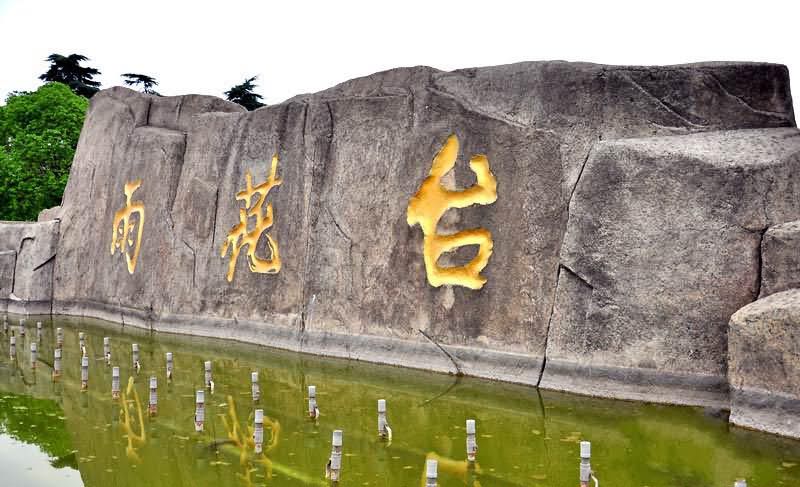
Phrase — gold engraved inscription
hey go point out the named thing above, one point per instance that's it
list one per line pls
(126, 221)
(239, 236)
(431, 202)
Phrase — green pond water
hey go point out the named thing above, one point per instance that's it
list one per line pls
(54, 434)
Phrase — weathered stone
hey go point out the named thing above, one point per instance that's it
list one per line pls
(48, 214)
(662, 246)
(764, 364)
(780, 258)
(352, 280)
(27, 254)
(8, 259)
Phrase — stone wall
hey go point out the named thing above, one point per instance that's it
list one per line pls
(27, 259)
(625, 223)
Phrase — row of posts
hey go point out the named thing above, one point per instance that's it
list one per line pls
(334, 466)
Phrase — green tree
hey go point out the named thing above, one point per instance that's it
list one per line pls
(38, 135)
(147, 82)
(244, 95)
(68, 70)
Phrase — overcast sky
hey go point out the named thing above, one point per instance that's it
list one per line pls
(297, 47)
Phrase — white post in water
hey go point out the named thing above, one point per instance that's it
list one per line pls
(82, 342)
(384, 430)
(586, 473)
(84, 373)
(135, 357)
(335, 462)
(33, 355)
(313, 410)
(200, 410)
(255, 387)
(431, 472)
(60, 337)
(153, 407)
(115, 383)
(258, 431)
(13, 347)
(169, 366)
(56, 363)
(22, 327)
(107, 349)
(5, 324)
(39, 331)
(740, 483)
(472, 445)
(208, 379)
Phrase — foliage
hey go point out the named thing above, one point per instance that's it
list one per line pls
(37, 422)
(38, 135)
(243, 94)
(68, 70)
(147, 82)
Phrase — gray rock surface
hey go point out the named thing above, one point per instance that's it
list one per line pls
(780, 258)
(352, 280)
(48, 214)
(764, 367)
(27, 257)
(662, 246)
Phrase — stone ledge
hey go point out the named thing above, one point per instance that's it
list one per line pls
(423, 355)
(637, 384)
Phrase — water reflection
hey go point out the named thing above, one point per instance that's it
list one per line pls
(526, 438)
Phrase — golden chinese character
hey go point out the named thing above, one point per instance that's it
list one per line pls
(124, 225)
(238, 237)
(432, 200)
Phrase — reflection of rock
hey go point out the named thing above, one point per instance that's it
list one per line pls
(780, 258)
(27, 256)
(662, 246)
(764, 368)
(662, 233)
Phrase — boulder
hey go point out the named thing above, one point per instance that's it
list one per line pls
(48, 214)
(27, 255)
(764, 364)
(780, 258)
(352, 280)
(662, 246)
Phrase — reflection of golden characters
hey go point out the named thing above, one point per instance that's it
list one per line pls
(122, 236)
(133, 438)
(431, 202)
(463, 470)
(243, 443)
(238, 237)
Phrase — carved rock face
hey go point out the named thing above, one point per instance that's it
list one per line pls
(352, 279)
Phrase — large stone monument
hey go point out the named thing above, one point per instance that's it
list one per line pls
(581, 227)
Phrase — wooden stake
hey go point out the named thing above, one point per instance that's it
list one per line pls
(200, 410)
(115, 383)
(256, 390)
(472, 444)
(84, 373)
(431, 472)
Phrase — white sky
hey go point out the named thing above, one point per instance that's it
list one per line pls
(298, 47)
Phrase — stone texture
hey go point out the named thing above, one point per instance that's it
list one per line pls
(780, 258)
(48, 214)
(27, 255)
(352, 281)
(764, 367)
(117, 146)
(662, 246)
(8, 259)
